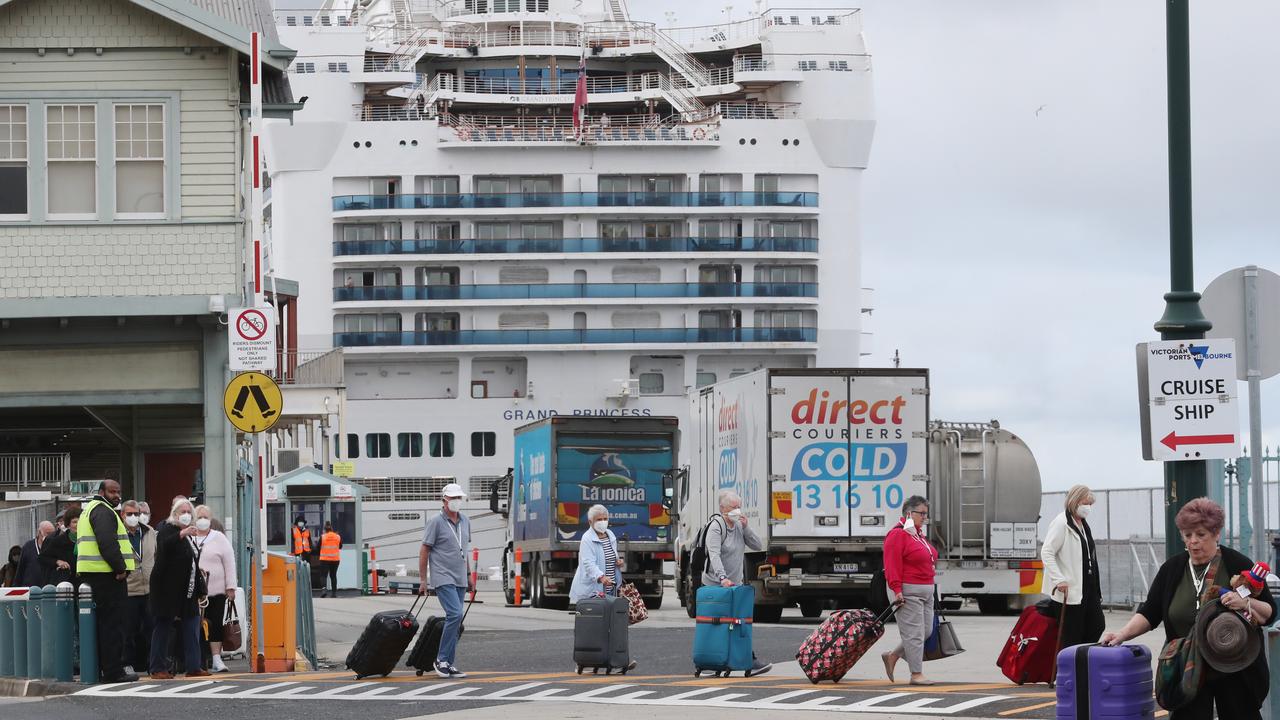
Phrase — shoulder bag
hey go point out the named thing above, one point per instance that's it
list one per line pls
(943, 641)
(1180, 671)
(231, 637)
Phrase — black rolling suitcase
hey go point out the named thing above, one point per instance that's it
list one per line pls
(600, 635)
(383, 642)
(423, 655)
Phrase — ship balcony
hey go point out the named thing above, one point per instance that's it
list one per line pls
(777, 201)
(601, 90)
(733, 338)
(361, 249)
(789, 291)
(470, 130)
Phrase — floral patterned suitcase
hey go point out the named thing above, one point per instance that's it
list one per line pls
(839, 643)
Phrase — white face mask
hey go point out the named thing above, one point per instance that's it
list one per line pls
(454, 505)
(735, 513)
(184, 519)
(1084, 510)
(203, 524)
(144, 518)
(600, 525)
(131, 520)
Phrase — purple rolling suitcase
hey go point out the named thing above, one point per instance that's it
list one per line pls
(1105, 683)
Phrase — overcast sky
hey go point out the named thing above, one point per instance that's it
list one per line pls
(1020, 256)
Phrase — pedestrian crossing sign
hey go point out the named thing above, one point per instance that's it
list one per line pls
(252, 402)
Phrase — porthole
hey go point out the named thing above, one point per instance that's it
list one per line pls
(414, 143)
(785, 142)
(403, 143)
(356, 144)
(753, 141)
(368, 144)
(796, 142)
(742, 141)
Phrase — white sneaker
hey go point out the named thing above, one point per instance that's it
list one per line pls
(218, 665)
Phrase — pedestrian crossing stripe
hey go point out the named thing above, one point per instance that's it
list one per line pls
(619, 693)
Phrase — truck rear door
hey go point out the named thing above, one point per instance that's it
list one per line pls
(846, 448)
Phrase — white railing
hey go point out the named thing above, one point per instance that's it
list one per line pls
(621, 129)
(310, 367)
(750, 110)
(21, 471)
(514, 86)
(367, 112)
(802, 63)
(317, 19)
(381, 64)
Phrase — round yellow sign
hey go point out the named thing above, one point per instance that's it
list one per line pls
(252, 402)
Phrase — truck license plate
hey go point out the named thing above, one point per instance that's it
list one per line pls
(846, 568)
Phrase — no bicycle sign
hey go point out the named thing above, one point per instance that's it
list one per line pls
(252, 339)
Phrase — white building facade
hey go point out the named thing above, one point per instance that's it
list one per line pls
(485, 263)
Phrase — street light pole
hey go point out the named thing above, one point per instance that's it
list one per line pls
(1185, 479)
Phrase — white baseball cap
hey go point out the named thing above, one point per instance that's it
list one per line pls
(452, 490)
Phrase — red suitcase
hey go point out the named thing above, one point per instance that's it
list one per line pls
(831, 650)
(1030, 654)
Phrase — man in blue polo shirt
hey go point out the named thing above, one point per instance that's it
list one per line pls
(444, 554)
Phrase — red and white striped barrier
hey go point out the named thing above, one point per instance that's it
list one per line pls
(13, 593)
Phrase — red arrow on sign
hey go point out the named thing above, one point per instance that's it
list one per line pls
(1173, 440)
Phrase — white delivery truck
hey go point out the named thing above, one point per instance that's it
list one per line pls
(823, 459)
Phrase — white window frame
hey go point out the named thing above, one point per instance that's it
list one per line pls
(48, 161)
(25, 160)
(164, 164)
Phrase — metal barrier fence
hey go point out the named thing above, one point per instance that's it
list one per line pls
(306, 614)
(18, 524)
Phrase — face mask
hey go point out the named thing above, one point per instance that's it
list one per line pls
(302, 524)
(203, 524)
(144, 518)
(454, 505)
(131, 520)
(735, 513)
(184, 519)
(600, 525)
(1084, 510)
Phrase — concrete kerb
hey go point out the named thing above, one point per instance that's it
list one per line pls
(561, 711)
(23, 687)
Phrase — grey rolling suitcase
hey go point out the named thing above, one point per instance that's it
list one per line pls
(600, 635)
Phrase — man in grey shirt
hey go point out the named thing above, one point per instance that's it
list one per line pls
(727, 540)
(444, 554)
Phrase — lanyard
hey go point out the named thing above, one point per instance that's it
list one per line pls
(1198, 584)
(457, 533)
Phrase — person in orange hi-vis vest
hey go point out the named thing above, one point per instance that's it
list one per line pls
(330, 545)
(301, 538)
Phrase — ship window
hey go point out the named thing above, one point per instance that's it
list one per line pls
(651, 383)
(637, 274)
(841, 65)
(779, 318)
(637, 319)
(436, 322)
(706, 378)
(409, 444)
(484, 444)
(616, 184)
(441, 444)
(521, 275)
(523, 321)
(307, 20)
(353, 446)
(535, 6)
(377, 445)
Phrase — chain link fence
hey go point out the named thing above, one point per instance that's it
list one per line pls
(18, 524)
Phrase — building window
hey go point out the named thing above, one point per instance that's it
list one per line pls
(441, 444)
(13, 160)
(377, 445)
(651, 383)
(436, 322)
(484, 444)
(706, 378)
(139, 160)
(353, 446)
(409, 444)
(71, 142)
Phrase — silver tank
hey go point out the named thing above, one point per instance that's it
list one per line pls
(979, 473)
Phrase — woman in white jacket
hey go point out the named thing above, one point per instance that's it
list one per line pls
(1071, 570)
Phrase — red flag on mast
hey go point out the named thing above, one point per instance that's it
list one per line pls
(580, 96)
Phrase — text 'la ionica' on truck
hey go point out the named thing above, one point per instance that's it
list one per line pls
(563, 466)
(823, 460)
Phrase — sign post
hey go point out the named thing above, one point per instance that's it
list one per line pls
(1241, 303)
(1187, 392)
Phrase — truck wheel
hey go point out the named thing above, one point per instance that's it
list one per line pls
(535, 586)
(653, 602)
(767, 613)
(811, 607)
(993, 605)
(690, 594)
(508, 588)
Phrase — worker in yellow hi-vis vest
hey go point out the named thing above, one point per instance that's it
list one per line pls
(104, 559)
(330, 556)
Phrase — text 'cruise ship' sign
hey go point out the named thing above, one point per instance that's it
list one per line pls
(1187, 398)
(251, 339)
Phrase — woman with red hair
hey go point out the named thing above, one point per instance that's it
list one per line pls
(1175, 598)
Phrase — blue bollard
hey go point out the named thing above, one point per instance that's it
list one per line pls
(34, 623)
(48, 596)
(6, 637)
(20, 638)
(64, 615)
(88, 637)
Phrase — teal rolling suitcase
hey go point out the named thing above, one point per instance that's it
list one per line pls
(722, 636)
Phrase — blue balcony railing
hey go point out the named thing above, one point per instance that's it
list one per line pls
(576, 337)
(566, 291)
(575, 245)
(472, 201)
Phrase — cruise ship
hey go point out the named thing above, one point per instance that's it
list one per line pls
(503, 210)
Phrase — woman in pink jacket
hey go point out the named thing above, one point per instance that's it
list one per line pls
(908, 571)
(218, 562)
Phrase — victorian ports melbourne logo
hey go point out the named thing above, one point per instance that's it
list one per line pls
(1195, 353)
